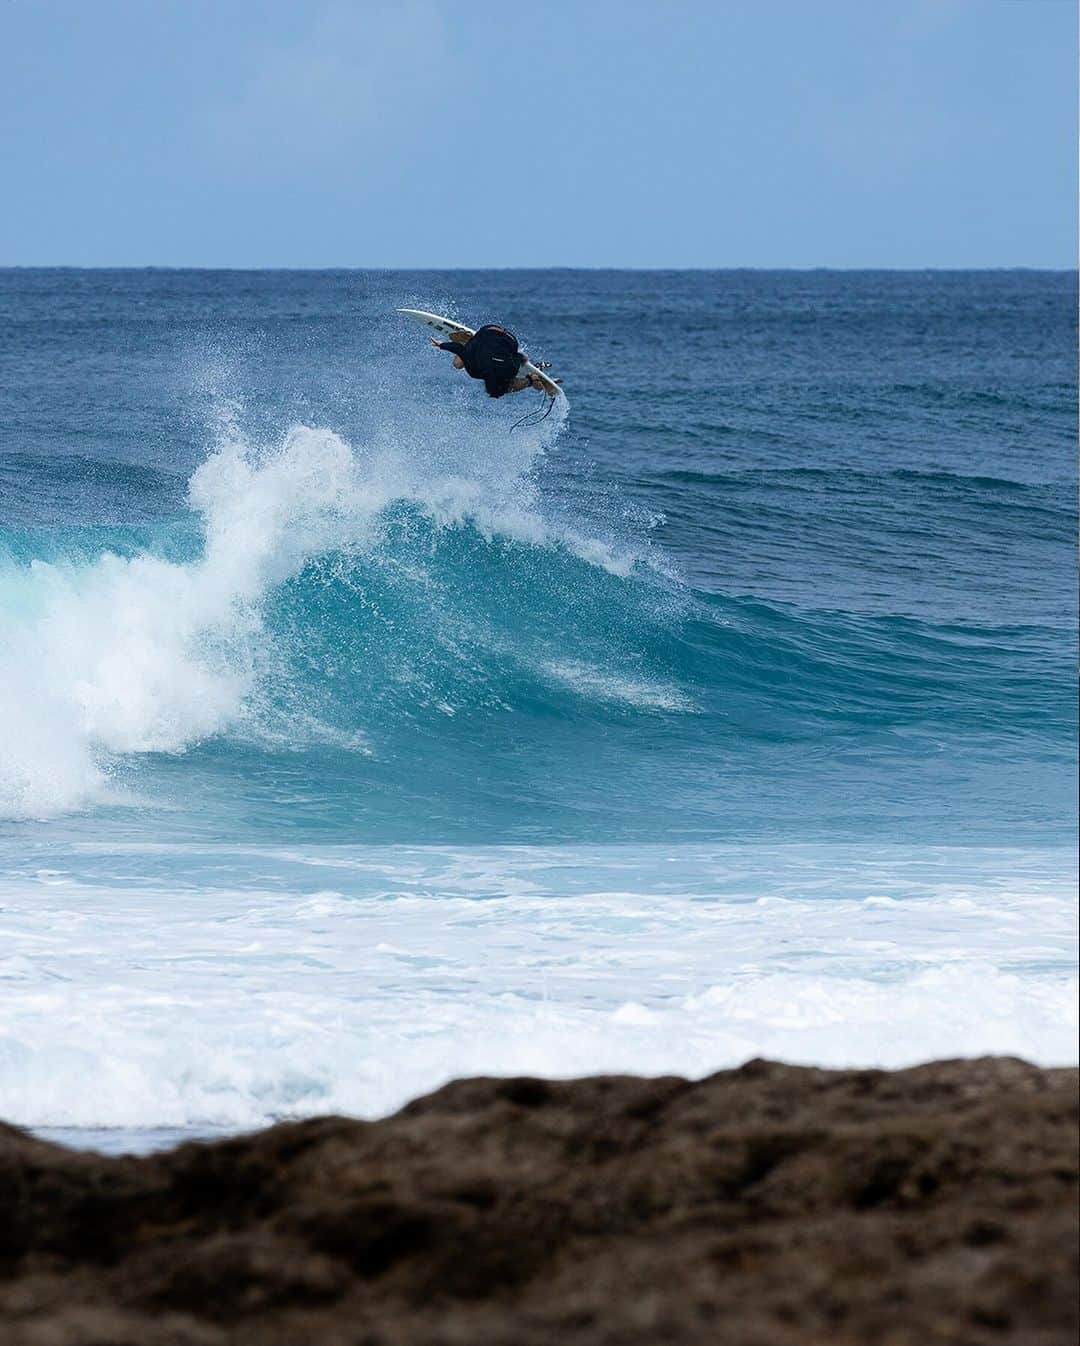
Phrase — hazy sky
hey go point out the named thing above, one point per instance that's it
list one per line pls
(317, 133)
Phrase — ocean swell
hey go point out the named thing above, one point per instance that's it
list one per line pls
(466, 650)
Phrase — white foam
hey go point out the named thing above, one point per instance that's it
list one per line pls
(179, 1001)
(600, 684)
(139, 654)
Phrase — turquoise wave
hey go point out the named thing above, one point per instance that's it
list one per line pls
(384, 672)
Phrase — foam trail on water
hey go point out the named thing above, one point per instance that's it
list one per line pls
(600, 685)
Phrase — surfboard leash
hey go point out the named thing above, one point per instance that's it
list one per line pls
(531, 418)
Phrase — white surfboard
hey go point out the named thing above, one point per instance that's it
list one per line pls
(454, 331)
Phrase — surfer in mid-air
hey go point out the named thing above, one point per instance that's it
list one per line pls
(492, 354)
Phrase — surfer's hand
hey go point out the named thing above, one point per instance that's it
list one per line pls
(436, 343)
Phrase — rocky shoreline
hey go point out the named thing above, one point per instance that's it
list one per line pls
(766, 1206)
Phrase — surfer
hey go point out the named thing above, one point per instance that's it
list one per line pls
(492, 354)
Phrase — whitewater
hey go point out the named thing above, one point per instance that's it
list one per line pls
(353, 742)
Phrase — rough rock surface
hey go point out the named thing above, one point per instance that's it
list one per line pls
(764, 1206)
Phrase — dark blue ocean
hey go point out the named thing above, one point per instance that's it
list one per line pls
(352, 738)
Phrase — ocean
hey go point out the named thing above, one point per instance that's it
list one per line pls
(352, 739)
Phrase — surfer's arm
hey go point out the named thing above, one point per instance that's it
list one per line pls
(454, 347)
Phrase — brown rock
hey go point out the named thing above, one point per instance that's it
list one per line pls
(767, 1206)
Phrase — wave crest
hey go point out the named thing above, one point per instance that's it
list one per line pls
(118, 654)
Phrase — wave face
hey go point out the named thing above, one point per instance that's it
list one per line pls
(775, 598)
(796, 570)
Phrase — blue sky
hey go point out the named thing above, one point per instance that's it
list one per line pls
(315, 133)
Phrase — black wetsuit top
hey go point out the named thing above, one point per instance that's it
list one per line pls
(490, 354)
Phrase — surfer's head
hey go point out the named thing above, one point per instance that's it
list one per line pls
(498, 387)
